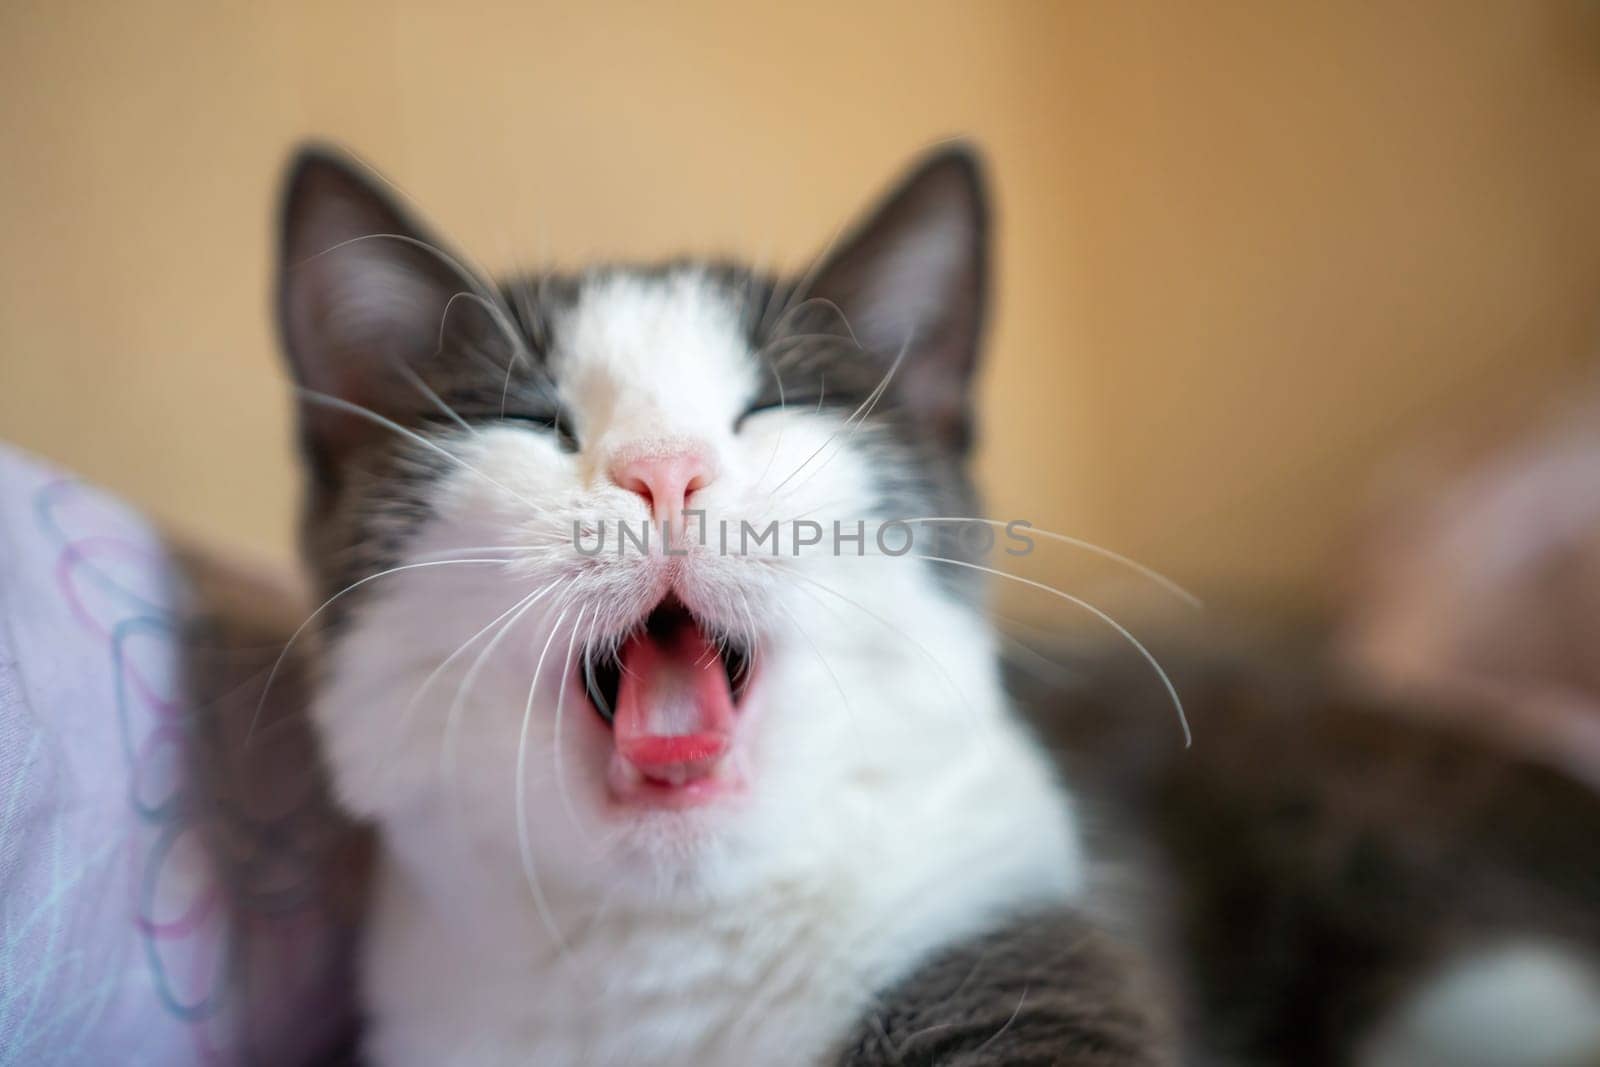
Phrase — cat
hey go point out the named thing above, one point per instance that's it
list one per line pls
(668, 796)
(680, 808)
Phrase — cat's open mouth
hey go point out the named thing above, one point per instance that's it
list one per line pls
(671, 695)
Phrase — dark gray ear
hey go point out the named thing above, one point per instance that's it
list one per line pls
(363, 296)
(914, 274)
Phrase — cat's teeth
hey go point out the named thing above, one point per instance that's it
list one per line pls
(624, 775)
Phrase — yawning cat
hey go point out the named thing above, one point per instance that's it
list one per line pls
(682, 727)
(670, 804)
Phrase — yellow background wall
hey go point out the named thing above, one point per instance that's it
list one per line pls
(1249, 249)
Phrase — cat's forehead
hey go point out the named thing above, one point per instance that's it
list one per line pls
(670, 334)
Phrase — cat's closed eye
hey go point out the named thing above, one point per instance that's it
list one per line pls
(551, 423)
(795, 402)
(761, 407)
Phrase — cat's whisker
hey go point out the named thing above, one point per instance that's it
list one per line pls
(1144, 570)
(793, 344)
(534, 324)
(452, 728)
(1088, 546)
(404, 238)
(438, 401)
(505, 386)
(855, 423)
(773, 292)
(825, 505)
(855, 727)
(861, 412)
(528, 293)
(433, 676)
(961, 698)
(1042, 667)
(1166, 681)
(524, 839)
(713, 651)
(508, 550)
(477, 290)
(1008, 1023)
(372, 416)
(277, 664)
(527, 551)
(783, 407)
(501, 317)
(543, 338)
(799, 295)
(751, 630)
(561, 697)
(491, 360)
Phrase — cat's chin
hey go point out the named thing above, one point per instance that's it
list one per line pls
(629, 790)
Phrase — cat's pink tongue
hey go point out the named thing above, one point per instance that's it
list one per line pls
(674, 715)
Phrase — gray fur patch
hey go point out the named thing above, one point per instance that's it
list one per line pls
(1046, 988)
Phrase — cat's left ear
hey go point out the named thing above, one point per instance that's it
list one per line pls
(914, 275)
(367, 299)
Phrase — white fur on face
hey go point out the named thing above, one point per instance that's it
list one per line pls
(890, 805)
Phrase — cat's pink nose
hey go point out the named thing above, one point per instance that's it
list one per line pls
(664, 477)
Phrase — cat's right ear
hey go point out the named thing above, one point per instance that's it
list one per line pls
(366, 298)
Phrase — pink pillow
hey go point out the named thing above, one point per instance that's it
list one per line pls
(156, 904)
